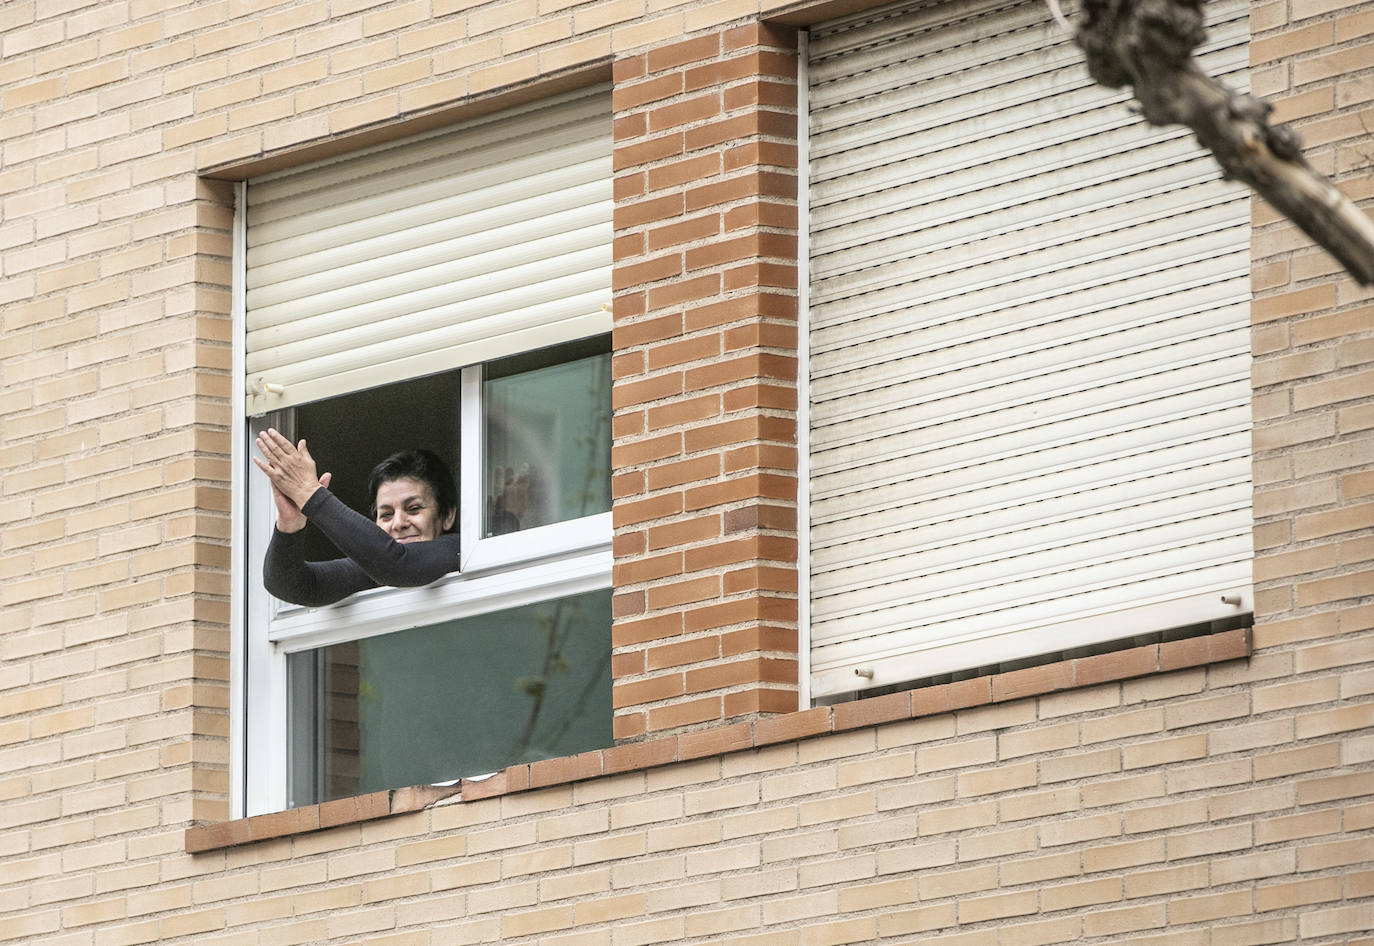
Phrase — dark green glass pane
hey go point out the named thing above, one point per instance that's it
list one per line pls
(455, 699)
(547, 443)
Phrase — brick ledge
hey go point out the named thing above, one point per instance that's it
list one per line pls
(788, 727)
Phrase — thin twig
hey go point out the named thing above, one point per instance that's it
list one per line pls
(1059, 16)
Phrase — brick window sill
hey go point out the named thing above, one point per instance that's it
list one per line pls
(788, 727)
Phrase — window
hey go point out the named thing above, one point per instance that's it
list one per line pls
(449, 292)
(1029, 351)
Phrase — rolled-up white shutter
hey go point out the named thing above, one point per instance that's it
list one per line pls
(442, 250)
(1030, 403)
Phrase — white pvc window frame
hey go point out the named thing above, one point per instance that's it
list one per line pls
(803, 370)
(496, 573)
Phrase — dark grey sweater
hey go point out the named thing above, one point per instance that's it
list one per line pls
(373, 557)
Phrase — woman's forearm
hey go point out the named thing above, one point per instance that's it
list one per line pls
(386, 561)
(288, 576)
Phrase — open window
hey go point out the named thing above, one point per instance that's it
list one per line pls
(447, 292)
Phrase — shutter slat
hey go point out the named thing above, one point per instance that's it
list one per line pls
(581, 190)
(1070, 375)
(443, 250)
(458, 271)
(944, 347)
(1029, 333)
(898, 149)
(1007, 587)
(1050, 535)
(1058, 441)
(1020, 256)
(1045, 219)
(1207, 283)
(855, 98)
(556, 298)
(936, 508)
(467, 148)
(1104, 272)
(976, 637)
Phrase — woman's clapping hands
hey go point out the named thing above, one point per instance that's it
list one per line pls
(291, 471)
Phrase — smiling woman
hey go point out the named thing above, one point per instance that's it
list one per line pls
(413, 503)
(407, 511)
(413, 496)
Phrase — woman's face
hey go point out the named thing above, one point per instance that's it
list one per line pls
(408, 512)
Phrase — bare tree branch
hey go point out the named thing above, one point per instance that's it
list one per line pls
(1148, 45)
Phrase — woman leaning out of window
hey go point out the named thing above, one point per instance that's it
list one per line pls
(414, 504)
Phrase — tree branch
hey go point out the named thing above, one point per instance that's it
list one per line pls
(1148, 45)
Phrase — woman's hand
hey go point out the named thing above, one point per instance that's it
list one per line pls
(289, 515)
(291, 470)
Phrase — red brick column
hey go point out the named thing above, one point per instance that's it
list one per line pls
(704, 454)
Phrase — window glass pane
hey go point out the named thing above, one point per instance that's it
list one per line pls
(349, 435)
(455, 699)
(548, 437)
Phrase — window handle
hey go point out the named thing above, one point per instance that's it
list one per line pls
(267, 387)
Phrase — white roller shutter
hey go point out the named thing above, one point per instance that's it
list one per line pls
(446, 249)
(1030, 402)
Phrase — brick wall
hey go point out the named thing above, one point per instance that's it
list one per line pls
(1165, 807)
(705, 367)
(1312, 377)
(1222, 805)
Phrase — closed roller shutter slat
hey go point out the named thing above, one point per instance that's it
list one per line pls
(1101, 282)
(1100, 614)
(917, 500)
(473, 262)
(1136, 251)
(470, 215)
(556, 298)
(466, 148)
(1029, 349)
(1010, 587)
(980, 401)
(963, 346)
(1048, 535)
(451, 248)
(968, 216)
(934, 139)
(911, 427)
(850, 112)
(946, 500)
(901, 485)
(1200, 285)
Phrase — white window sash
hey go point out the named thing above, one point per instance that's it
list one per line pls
(507, 571)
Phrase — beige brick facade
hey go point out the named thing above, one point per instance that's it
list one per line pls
(1217, 791)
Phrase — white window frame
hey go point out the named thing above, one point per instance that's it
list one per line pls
(496, 573)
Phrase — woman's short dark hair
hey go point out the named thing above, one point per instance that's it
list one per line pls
(417, 464)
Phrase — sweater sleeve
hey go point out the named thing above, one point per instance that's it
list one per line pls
(382, 558)
(288, 576)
